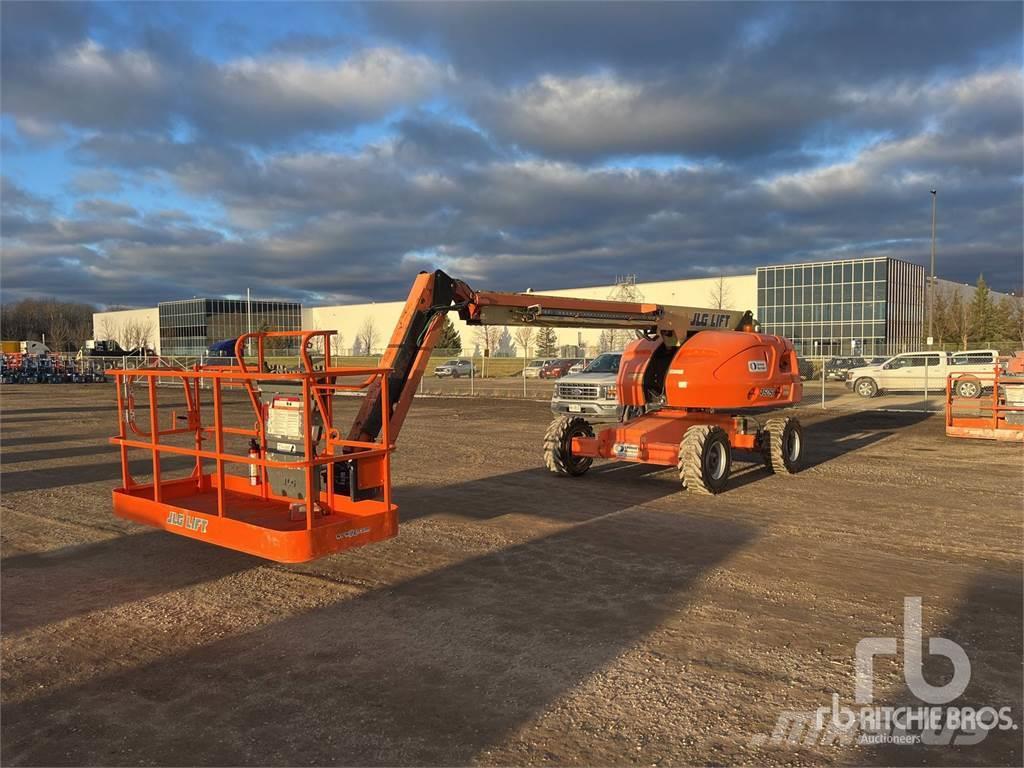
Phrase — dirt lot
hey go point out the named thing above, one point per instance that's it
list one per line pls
(518, 618)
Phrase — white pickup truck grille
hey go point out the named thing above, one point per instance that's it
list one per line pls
(578, 391)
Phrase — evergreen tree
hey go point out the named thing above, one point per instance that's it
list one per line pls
(450, 341)
(506, 347)
(983, 312)
(960, 319)
(547, 342)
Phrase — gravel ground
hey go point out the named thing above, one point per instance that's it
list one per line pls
(518, 618)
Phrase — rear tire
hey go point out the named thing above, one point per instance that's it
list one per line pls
(783, 446)
(968, 387)
(865, 387)
(558, 446)
(705, 460)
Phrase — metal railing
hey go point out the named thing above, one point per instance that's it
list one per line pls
(332, 521)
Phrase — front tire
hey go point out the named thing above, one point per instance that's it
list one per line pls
(865, 387)
(558, 455)
(783, 446)
(705, 460)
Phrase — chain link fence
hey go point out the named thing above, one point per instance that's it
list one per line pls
(828, 381)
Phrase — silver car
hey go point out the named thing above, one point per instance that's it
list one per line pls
(455, 369)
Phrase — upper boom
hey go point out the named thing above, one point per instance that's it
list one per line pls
(435, 293)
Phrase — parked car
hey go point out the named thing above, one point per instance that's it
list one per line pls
(556, 369)
(532, 369)
(592, 392)
(838, 367)
(916, 371)
(455, 369)
(806, 368)
(578, 368)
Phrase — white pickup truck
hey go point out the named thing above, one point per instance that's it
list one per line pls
(920, 371)
(592, 392)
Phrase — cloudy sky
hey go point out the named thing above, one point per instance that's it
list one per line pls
(329, 152)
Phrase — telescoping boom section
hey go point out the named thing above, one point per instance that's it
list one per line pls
(261, 466)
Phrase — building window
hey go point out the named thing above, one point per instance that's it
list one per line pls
(874, 306)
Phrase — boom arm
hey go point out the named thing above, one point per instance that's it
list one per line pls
(434, 294)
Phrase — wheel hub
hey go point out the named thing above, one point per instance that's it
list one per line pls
(715, 461)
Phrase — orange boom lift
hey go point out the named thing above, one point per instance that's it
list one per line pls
(307, 489)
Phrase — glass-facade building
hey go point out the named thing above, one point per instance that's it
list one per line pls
(189, 326)
(868, 306)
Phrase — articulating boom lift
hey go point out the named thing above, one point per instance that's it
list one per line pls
(310, 492)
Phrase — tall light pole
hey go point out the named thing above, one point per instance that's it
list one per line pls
(931, 282)
(248, 321)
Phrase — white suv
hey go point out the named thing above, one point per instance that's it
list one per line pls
(455, 369)
(532, 369)
(917, 371)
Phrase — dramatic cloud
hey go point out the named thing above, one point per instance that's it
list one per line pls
(596, 116)
(268, 98)
(327, 153)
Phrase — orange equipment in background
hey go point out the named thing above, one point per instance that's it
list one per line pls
(996, 412)
(688, 373)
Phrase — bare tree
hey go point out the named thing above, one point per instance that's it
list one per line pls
(59, 337)
(317, 346)
(368, 336)
(81, 332)
(137, 334)
(960, 318)
(487, 337)
(719, 296)
(940, 315)
(1013, 309)
(524, 338)
(108, 330)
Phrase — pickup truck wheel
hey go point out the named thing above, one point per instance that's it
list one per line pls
(705, 460)
(865, 387)
(558, 446)
(783, 446)
(968, 387)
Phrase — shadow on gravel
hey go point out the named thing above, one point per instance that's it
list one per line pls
(48, 587)
(539, 493)
(431, 671)
(830, 438)
(8, 442)
(47, 454)
(110, 410)
(76, 474)
(988, 627)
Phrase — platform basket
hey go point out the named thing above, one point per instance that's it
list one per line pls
(986, 406)
(237, 509)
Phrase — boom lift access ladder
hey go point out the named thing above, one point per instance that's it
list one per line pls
(305, 490)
